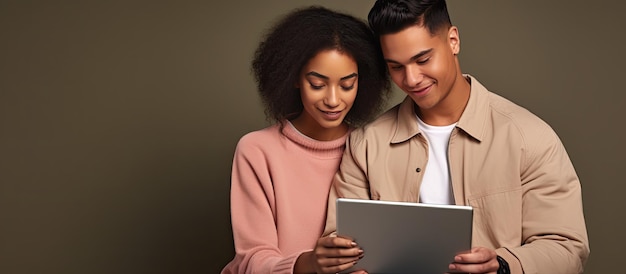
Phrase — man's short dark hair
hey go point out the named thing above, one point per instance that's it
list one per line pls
(391, 16)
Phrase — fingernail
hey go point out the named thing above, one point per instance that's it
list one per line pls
(353, 244)
(452, 267)
(360, 251)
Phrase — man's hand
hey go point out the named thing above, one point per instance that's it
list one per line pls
(478, 260)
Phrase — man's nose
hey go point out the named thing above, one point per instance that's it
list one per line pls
(413, 76)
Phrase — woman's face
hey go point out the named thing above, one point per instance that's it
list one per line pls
(328, 85)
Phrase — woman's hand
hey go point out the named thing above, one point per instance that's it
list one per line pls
(331, 255)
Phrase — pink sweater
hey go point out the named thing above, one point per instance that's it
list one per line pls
(279, 193)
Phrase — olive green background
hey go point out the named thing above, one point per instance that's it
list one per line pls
(119, 119)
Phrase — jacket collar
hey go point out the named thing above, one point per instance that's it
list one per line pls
(472, 121)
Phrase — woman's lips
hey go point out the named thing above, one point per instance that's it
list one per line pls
(332, 115)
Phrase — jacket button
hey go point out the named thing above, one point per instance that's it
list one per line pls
(418, 169)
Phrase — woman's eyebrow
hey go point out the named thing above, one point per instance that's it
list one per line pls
(349, 76)
(313, 73)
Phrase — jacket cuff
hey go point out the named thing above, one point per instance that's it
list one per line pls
(514, 264)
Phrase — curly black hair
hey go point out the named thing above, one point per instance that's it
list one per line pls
(298, 37)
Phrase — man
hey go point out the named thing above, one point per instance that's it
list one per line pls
(451, 141)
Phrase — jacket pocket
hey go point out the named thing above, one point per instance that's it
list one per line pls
(497, 219)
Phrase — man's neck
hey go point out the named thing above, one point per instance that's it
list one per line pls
(450, 112)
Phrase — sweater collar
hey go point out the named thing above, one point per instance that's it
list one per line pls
(332, 148)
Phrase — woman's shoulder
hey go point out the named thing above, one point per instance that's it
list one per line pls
(260, 138)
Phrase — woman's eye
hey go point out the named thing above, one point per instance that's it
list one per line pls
(395, 67)
(316, 86)
(347, 88)
(424, 61)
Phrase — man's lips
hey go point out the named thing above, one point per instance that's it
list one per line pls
(421, 90)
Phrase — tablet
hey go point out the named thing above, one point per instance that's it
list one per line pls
(402, 237)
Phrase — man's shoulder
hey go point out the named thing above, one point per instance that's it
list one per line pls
(514, 113)
(532, 129)
(380, 128)
(389, 118)
(499, 106)
(503, 113)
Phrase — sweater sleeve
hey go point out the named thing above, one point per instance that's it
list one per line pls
(350, 181)
(253, 215)
(553, 226)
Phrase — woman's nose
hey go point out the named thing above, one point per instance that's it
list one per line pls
(331, 99)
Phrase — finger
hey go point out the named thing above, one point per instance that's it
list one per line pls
(488, 267)
(327, 262)
(337, 242)
(477, 256)
(339, 268)
(337, 252)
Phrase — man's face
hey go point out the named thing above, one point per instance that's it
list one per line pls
(423, 65)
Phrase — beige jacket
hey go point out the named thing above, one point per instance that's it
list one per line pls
(505, 162)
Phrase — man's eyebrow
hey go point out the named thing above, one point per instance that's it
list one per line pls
(313, 73)
(415, 57)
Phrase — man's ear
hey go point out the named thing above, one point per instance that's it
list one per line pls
(454, 40)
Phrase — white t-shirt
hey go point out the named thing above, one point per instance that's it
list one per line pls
(436, 187)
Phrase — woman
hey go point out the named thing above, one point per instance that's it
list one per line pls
(319, 73)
